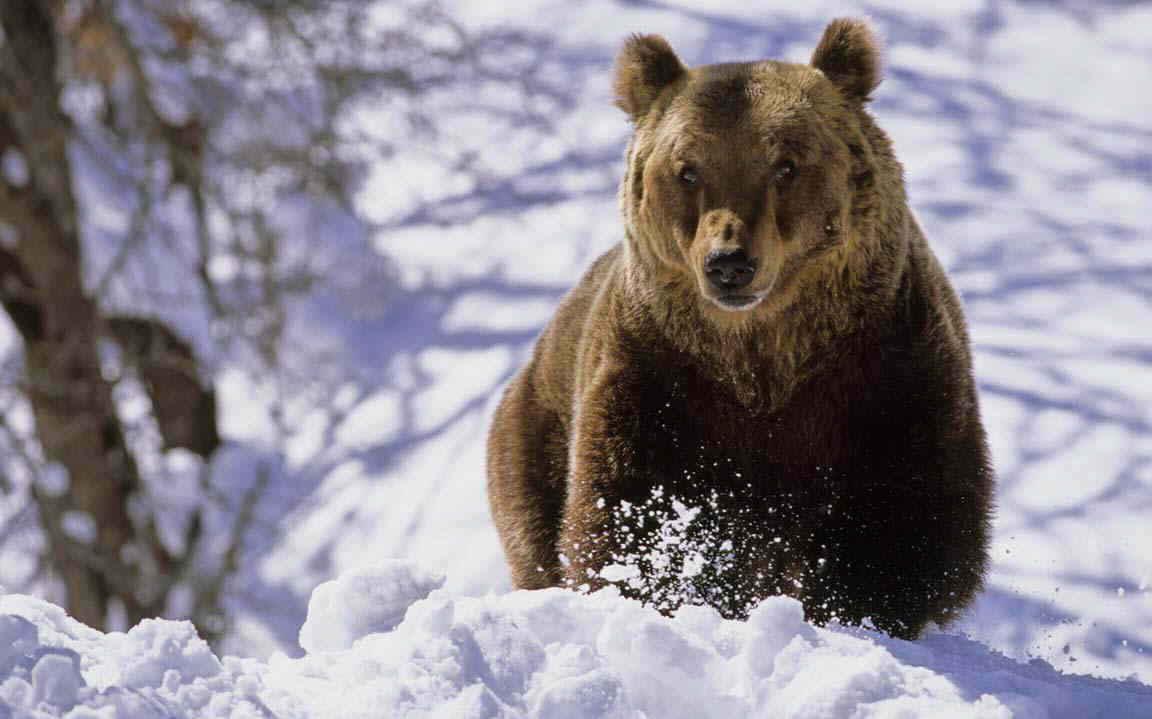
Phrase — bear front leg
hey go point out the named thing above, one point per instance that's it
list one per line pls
(601, 465)
(904, 559)
(527, 460)
(586, 545)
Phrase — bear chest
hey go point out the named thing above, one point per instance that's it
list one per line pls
(691, 433)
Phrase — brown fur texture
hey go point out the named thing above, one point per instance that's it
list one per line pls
(817, 435)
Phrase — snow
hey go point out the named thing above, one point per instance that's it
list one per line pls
(14, 167)
(362, 601)
(386, 640)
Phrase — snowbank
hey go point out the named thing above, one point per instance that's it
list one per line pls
(385, 641)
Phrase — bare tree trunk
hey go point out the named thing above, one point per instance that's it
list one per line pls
(76, 419)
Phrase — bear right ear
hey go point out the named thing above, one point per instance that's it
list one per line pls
(849, 56)
(645, 67)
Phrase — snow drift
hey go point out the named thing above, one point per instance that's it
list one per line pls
(388, 641)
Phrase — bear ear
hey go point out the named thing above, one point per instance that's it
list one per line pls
(849, 56)
(645, 67)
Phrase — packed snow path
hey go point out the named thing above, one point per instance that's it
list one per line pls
(384, 641)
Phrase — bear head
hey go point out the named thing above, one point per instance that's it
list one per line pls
(749, 181)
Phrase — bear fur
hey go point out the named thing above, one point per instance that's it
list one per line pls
(816, 434)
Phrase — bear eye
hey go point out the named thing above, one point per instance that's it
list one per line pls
(785, 173)
(688, 175)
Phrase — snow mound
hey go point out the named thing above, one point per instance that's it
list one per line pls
(363, 601)
(387, 641)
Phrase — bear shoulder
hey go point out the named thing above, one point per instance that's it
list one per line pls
(580, 319)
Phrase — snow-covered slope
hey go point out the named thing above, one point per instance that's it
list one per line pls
(384, 641)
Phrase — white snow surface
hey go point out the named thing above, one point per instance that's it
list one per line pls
(550, 654)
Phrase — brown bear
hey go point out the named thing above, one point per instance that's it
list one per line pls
(766, 388)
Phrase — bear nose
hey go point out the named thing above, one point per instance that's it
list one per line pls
(730, 270)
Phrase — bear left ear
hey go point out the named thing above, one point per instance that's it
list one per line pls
(849, 56)
(646, 65)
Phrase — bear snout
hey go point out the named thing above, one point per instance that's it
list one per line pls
(729, 271)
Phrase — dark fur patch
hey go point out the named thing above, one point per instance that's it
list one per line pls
(722, 90)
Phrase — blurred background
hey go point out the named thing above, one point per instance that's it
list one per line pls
(266, 266)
